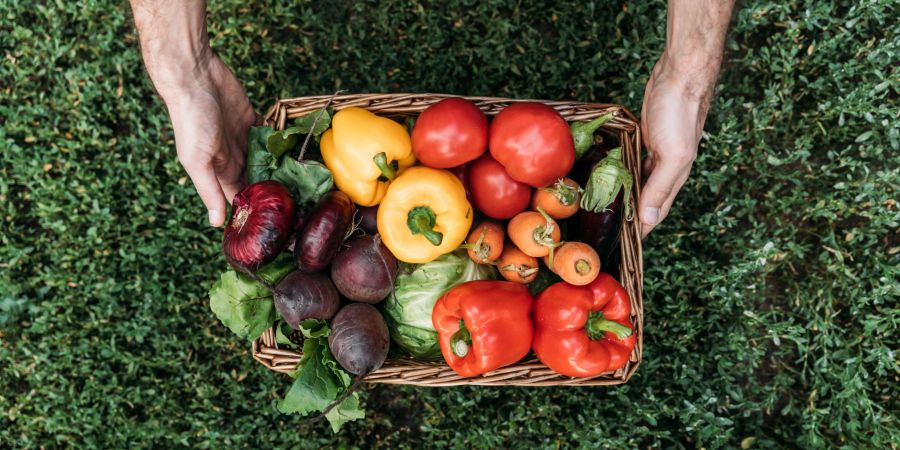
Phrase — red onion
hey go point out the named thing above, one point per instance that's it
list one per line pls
(262, 219)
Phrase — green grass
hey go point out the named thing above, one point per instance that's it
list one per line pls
(771, 290)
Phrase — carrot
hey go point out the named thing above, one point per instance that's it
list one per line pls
(516, 266)
(535, 233)
(576, 263)
(559, 200)
(485, 242)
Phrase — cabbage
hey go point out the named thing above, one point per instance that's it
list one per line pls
(408, 308)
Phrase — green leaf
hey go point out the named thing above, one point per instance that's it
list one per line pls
(307, 180)
(305, 124)
(348, 411)
(260, 163)
(314, 328)
(319, 380)
(316, 385)
(243, 305)
(274, 271)
(285, 335)
(282, 141)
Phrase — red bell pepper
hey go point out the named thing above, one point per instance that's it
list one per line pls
(483, 325)
(533, 142)
(582, 331)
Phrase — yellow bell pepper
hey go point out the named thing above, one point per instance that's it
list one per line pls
(424, 215)
(364, 153)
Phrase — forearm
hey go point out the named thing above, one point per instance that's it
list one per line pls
(695, 41)
(174, 43)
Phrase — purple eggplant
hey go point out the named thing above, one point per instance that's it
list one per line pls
(324, 232)
(600, 230)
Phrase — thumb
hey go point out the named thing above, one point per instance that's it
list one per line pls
(657, 195)
(204, 178)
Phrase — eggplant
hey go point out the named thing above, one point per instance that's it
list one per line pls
(600, 230)
(324, 232)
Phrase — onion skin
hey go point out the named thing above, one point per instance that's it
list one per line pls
(359, 339)
(364, 270)
(262, 219)
(301, 296)
(324, 231)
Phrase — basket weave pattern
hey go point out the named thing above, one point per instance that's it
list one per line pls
(529, 372)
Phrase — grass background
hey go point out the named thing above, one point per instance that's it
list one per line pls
(772, 288)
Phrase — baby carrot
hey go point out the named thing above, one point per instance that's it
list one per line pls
(485, 242)
(559, 200)
(516, 266)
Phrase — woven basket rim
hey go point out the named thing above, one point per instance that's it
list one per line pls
(528, 372)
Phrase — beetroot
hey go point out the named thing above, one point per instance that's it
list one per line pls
(324, 231)
(261, 222)
(301, 296)
(359, 339)
(364, 270)
(367, 218)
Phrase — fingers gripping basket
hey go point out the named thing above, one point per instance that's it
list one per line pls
(529, 372)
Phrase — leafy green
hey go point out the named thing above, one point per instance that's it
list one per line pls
(314, 328)
(408, 308)
(321, 118)
(315, 385)
(307, 180)
(267, 159)
(319, 380)
(287, 336)
(242, 304)
(260, 163)
(279, 142)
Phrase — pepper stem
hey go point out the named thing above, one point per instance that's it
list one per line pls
(421, 220)
(597, 326)
(386, 170)
(461, 340)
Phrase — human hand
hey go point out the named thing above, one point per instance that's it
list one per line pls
(211, 119)
(210, 112)
(672, 117)
(676, 100)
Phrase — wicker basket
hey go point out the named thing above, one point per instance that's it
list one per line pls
(529, 372)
